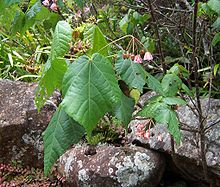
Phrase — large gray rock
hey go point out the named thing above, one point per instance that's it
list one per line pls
(109, 166)
(21, 125)
(187, 158)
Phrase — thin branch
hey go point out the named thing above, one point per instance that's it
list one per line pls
(155, 23)
(173, 9)
(210, 126)
(195, 72)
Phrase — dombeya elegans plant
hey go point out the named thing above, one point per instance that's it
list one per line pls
(90, 89)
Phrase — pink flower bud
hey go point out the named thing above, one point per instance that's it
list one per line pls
(54, 7)
(148, 56)
(78, 14)
(147, 134)
(86, 9)
(140, 127)
(138, 59)
(46, 3)
(141, 133)
(159, 137)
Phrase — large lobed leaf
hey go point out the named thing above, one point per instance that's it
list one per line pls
(132, 73)
(97, 40)
(59, 135)
(61, 40)
(91, 89)
(55, 67)
(123, 111)
(214, 5)
(52, 78)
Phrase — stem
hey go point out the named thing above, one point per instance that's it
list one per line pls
(195, 72)
(155, 23)
(210, 126)
(127, 36)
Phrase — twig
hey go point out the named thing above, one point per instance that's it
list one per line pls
(117, 45)
(210, 126)
(195, 72)
(173, 9)
(155, 23)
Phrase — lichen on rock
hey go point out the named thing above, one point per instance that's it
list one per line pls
(130, 166)
(133, 170)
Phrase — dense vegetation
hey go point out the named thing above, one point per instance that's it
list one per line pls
(102, 56)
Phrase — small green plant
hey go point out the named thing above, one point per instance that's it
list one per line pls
(89, 86)
(162, 107)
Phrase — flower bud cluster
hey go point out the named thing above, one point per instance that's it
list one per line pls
(146, 134)
(51, 4)
(146, 56)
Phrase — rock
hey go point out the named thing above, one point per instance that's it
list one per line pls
(188, 158)
(111, 166)
(21, 125)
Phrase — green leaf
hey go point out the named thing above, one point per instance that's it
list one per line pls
(61, 40)
(135, 94)
(151, 109)
(154, 99)
(149, 44)
(18, 22)
(130, 28)
(31, 13)
(216, 68)
(132, 73)
(216, 39)
(7, 16)
(168, 117)
(97, 40)
(7, 3)
(136, 16)
(61, 132)
(123, 111)
(91, 89)
(187, 90)
(144, 18)
(174, 101)
(51, 79)
(173, 126)
(171, 84)
(214, 5)
(124, 23)
(163, 114)
(79, 3)
(30, 16)
(60, 3)
(154, 84)
(55, 67)
(216, 24)
(178, 69)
